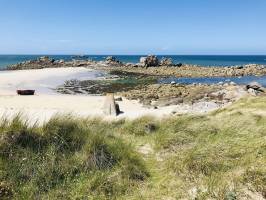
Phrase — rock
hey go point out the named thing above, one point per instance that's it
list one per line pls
(166, 62)
(178, 65)
(217, 95)
(110, 107)
(112, 59)
(44, 58)
(149, 61)
(234, 93)
(255, 86)
(173, 82)
(149, 128)
(145, 102)
(252, 92)
(142, 60)
(61, 61)
(118, 99)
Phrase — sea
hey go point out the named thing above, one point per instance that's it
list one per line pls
(203, 60)
(219, 61)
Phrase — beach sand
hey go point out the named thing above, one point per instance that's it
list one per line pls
(46, 103)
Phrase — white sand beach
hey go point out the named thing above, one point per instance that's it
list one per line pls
(43, 80)
(46, 103)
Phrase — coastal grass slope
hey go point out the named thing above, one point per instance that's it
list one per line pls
(221, 155)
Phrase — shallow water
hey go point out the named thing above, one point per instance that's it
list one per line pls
(214, 80)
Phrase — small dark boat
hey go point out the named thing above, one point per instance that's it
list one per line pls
(25, 92)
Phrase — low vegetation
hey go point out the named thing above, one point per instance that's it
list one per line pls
(221, 155)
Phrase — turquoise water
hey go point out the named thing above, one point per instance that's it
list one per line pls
(6, 60)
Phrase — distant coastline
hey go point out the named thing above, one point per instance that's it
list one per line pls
(203, 60)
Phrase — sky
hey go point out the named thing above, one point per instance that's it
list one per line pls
(125, 27)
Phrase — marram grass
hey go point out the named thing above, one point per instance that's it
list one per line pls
(221, 155)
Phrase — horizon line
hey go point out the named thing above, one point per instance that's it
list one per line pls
(75, 54)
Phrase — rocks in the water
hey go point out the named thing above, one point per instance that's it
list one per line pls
(149, 61)
(44, 59)
(112, 60)
(110, 107)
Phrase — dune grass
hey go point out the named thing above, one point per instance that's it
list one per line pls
(221, 155)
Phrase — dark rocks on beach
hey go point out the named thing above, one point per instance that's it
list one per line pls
(178, 65)
(255, 86)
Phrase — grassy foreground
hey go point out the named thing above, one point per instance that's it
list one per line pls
(221, 155)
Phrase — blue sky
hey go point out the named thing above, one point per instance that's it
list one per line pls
(133, 27)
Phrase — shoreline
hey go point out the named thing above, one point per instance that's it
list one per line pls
(46, 103)
(150, 65)
(44, 81)
(148, 98)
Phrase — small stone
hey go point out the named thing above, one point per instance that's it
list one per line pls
(252, 92)
(149, 128)
(118, 99)
(173, 82)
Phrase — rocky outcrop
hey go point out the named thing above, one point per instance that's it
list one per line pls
(47, 62)
(166, 62)
(42, 62)
(255, 86)
(149, 61)
(112, 59)
(184, 70)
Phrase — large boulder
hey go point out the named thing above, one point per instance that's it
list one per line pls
(44, 59)
(112, 59)
(255, 86)
(149, 61)
(166, 62)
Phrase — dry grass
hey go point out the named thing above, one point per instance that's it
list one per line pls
(217, 156)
